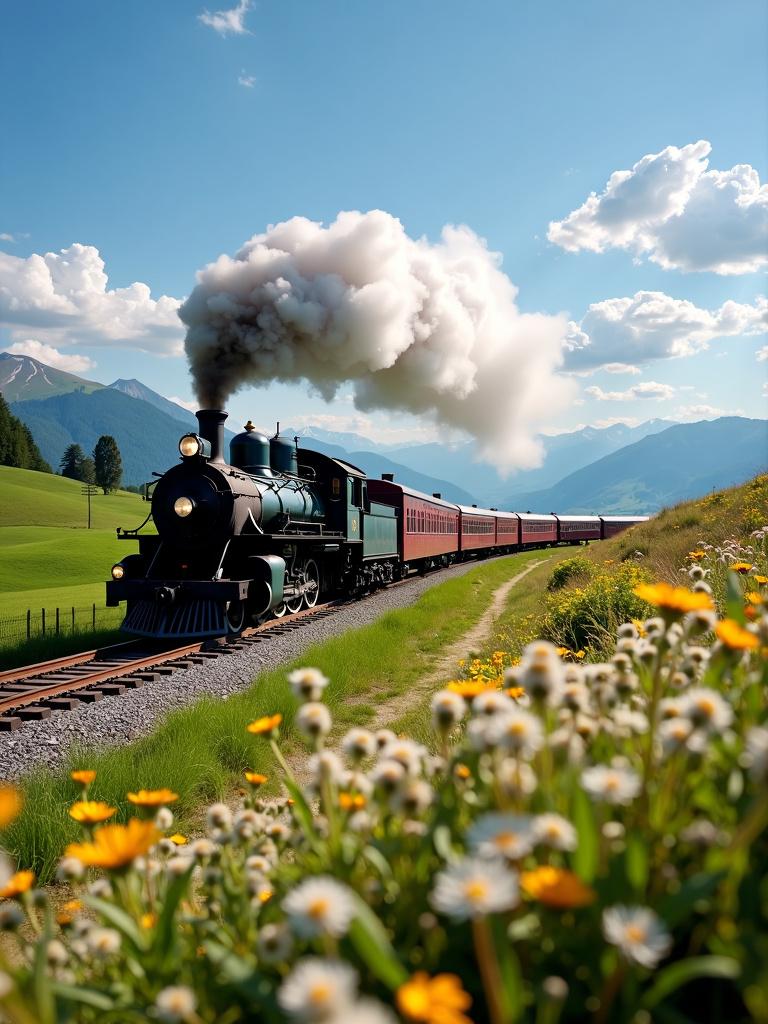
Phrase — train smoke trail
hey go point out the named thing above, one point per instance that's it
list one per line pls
(430, 329)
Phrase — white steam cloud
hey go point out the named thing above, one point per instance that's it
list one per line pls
(430, 329)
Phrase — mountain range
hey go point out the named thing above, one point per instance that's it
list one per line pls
(613, 469)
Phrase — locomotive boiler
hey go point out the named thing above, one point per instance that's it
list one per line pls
(265, 532)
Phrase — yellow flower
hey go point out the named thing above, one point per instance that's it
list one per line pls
(556, 887)
(351, 801)
(255, 778)
(438, 1000)
(753, 597)
(115, 846)
(21, 882)
(515, 692)
(469, 687)
(178, 839)
(673, 599)
(84, 776)
(265, 726)
(153, 797)
(740, 567)
(696, 556)
(735, 636)
(91, 812)
(760, 580)
(461, 771)
(10, 804)
(148, 920)
(64, 916)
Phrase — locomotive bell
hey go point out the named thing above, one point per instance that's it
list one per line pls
(249, 451)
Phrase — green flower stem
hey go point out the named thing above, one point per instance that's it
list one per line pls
(485, 954)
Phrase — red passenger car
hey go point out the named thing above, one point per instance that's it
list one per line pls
(537, 530)
(611, 525)
(507, 529)
(574, 529)
(428, 527)
(478, 528)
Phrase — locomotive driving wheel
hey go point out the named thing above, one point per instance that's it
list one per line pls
(234, 615)
(311, 582)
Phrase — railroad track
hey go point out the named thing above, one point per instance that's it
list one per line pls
(34, 692)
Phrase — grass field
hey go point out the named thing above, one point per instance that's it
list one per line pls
(201, 751)
(48, 557)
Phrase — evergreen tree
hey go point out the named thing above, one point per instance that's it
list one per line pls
(108, 465)
(72, 461)
(87, 470)
(17, 446)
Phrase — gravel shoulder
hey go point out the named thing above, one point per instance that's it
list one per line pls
(121, 719)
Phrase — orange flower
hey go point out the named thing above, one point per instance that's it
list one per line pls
(84, 776)
(438, 1000)
(265, 726)
(10, 804)
(21, 882)
(461, 771)
(735, 636)
(91, 812)
(676, 600)
(469, 687)
(753, 597)
(351, 801)
(515, 692)
(115, 846)
(64, 916)
(153, 797)
(255, 778)
(740, 567)
(556, 887)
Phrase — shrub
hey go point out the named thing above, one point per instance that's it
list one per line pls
(569, 569)
(564, 854)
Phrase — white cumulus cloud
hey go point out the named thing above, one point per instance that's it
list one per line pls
(431, 329)
(762, 354)
(672, 209)
(693, 413)
(247, 81)
(646, 389)
(229, 22)
(653, 325)
(6, 236)
(69, 361)
(185, 403)
(64, 297)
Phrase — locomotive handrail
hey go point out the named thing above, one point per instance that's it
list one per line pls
(123, 533)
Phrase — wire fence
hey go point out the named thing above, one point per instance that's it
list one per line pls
(40, 622)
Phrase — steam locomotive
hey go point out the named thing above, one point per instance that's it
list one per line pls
(276, 527)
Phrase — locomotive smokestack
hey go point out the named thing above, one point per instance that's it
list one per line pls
(212, 429)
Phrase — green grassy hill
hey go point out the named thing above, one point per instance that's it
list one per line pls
(47, 556)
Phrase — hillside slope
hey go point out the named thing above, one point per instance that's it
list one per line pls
(682, 462)
(23, 378)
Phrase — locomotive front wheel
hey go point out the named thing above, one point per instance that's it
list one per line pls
(312, 582)
(235, 616)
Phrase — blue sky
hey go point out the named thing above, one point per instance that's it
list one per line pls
(144, 132)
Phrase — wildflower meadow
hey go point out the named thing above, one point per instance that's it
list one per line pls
(578, 841)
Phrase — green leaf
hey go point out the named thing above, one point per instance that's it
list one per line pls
(301, 811)
(441, 839)
(87, 996)
(45, 1005)
(369, 937)
(702, 886)
(671, 978)
(162, 936)
(636, 861)
(584, 859)
(235, 969)
(511, 994)
(118, 918)
(377, 859)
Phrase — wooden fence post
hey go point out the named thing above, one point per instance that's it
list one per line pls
(43, 618)
(57, 620)
(73, 618)
(29, 623)
(94, 617)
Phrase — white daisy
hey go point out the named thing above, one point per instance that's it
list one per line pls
(413, 796)
(639, 934)
(491, 703)
(307, 683)
(706, 709)
(407, 753)
(383, 737)
(175, 1004)
(325, 765)
(359, 744)
(56, 953)
(516, 778)
(274, 943)
(318, 989)
(448, 709)
(506, 835)
(313, 720)
(675, 734)
(219, 816)
(757, 753)
(103, 942)
(473, 887)
(164, 818)
(518, 732)
(554, 831)
(614, 785)
(319, 906)
(541, 672)
(479, 733)
(366, 1011)
(387, 775)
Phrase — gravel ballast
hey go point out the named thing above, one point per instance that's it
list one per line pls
(120, 719)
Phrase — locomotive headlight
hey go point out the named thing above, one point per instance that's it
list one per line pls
(117, 572)
(183, 506)
(190, 445)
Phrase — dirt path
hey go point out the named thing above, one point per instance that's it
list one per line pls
(445, 668)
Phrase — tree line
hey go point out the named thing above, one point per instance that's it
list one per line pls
(17, 446)
(103, 467)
